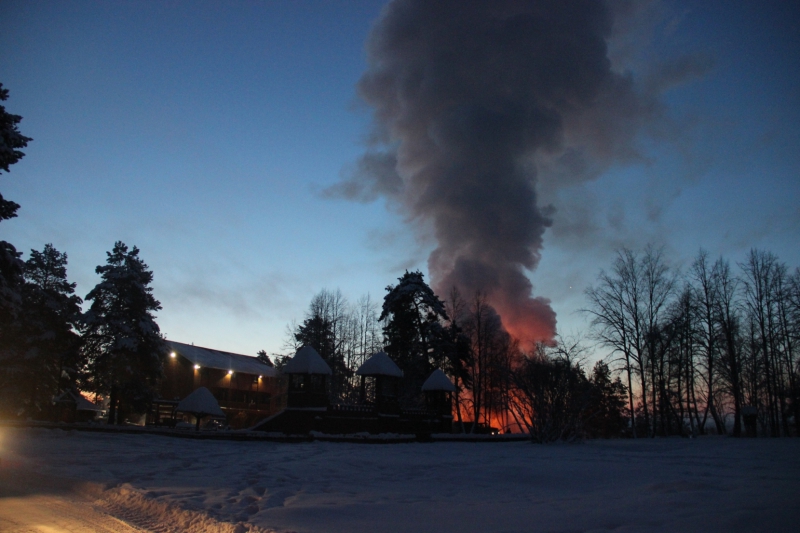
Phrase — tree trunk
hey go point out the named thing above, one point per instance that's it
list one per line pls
(630, 394)
(112, 405)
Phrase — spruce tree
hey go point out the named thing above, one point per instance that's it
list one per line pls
(123, 343)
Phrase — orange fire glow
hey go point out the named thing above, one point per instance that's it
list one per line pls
(527, 324)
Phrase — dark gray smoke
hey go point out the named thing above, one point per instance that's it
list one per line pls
(476, 101)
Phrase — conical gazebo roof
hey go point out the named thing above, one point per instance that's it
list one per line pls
(438, 380)
(201, 403)
(379, 364)
(307, 361)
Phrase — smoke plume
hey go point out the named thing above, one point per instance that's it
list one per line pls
(476, 104)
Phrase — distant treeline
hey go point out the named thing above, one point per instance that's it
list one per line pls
(700, 351)
(709, 345)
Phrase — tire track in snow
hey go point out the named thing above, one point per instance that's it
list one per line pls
(45, 513)
(151, 516)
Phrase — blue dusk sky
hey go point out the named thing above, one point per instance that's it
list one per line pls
(206, 134)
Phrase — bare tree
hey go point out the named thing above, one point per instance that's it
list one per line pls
(705, 295)
(728, 319)
(551, 397)
(615, 307)
(658, 284)
(792, 325)
(703, 352)
(483, 327)
(760, 273)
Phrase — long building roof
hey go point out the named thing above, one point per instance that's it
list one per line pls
(210, 358)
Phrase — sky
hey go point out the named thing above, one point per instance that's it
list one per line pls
(210, 135)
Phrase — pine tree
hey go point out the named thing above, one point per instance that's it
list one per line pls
(11, 280)
(42, 354)
(123, 342)
(10, 293)
(606, 414)
(415, 337)
(11, 351)
(11, 140)
(50, 342)
(316, 332)
(264, 358)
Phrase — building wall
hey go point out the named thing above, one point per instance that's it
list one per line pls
(245, 398)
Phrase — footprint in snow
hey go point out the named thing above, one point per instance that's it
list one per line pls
(276, 499)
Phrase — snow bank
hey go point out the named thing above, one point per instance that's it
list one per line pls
(134, 507)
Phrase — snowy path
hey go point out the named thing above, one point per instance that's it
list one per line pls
(37, 514)
(707, 485)
(31, 503)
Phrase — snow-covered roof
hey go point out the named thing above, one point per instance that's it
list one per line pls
(438, 381)
(200, 402)
(208, 358)
(379, 364)
(307, 361)
(81, 403)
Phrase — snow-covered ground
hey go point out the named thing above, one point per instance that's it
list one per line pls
(706, 484)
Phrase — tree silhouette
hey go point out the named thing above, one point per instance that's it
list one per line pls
(51, 344)
(11, 267)
(413, 329)
(11, 140)
(123, 342)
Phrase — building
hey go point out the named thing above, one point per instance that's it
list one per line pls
(71, 406)
(247, 389)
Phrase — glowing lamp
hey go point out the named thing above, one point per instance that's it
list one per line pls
(230, 372)
(172, 354)
(197, 367)
(259, 377)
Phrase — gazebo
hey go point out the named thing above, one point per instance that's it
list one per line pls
(200, 403)
(387, 376)
(438, 390)
(308, 373)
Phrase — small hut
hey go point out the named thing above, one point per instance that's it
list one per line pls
(438, 390)
(308, 373)
(73, 407)
(386, 375)
(750, 416)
